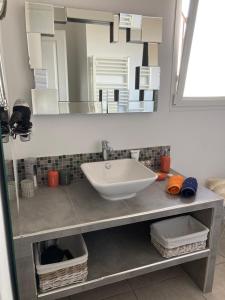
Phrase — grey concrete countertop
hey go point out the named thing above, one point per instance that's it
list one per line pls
(78, 208)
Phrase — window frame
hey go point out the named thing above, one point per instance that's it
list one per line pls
(178, 81)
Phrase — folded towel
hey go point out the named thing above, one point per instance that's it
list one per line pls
(53, 254)
(174, 184)
(189, 187)
(213, 182)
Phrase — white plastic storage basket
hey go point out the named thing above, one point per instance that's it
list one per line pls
(67, 272)
(178, 236)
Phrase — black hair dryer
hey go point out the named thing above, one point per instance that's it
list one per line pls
(20, 121)
(4, 120)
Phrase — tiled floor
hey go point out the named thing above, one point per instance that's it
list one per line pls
(169, 284)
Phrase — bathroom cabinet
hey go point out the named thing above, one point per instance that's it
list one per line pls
(116, 233)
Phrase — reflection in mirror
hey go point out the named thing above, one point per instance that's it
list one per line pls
(3, 6)
(12, 189)
(99, 64)
(8, 153)
(91, 61)
(4, 114)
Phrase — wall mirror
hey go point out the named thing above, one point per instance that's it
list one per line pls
(92, 61)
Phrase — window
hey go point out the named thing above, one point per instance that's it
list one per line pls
(199, 53)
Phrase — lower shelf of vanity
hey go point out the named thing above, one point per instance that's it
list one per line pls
(120, 253)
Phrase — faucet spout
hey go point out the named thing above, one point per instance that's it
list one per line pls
(106, 149)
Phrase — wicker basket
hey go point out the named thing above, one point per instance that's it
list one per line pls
(178, 236)
(185, 249)
(52, 276)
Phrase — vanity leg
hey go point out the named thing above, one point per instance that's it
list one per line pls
(202, 271)
(25, 270)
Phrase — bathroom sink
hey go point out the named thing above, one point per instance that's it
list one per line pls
(118, 179)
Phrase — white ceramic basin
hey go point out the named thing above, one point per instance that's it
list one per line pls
(118, 179)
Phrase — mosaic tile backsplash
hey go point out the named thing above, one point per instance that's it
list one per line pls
(73, 162)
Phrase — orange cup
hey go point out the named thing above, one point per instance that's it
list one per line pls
(165, 164)
(53, 178)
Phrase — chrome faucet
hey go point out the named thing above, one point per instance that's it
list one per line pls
(106, 150)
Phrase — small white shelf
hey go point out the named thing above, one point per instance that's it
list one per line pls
(149, 78)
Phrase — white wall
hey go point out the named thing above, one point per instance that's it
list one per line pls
(196, 137)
